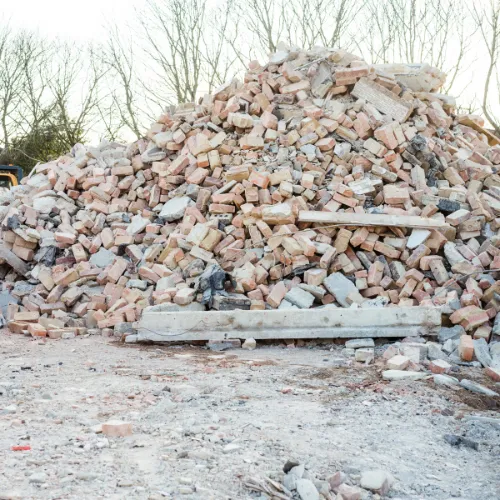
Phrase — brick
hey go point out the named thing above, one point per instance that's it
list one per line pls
(117, 428)
(466, 348)
(439, 366)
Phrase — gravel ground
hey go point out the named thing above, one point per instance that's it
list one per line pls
(204, 421)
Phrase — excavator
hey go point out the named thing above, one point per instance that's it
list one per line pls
(10, 176)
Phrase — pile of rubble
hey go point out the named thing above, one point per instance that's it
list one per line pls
(318, 181)
(338, 486)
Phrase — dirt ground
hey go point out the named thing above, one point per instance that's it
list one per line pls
(204, 421)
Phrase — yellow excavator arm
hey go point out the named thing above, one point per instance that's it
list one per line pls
(7, 180)
(10, 176)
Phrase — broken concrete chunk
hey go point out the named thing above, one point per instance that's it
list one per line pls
(174, 209)
(340, 287)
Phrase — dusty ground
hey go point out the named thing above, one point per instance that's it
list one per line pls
(188, 404)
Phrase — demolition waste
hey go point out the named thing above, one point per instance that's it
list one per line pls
(320, 181)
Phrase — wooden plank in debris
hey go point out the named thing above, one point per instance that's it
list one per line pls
(13, 261)
(348, 219)
(383, 99)
(493, 140)
(289, 324)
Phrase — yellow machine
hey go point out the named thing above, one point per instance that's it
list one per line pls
(10, 176)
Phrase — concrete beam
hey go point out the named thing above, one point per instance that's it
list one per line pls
(289, 324)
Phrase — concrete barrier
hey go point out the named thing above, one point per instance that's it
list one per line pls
(295, 324)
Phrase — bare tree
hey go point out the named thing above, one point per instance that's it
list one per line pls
(220, 56)
(122, 61)
(488, 20)
(75, 91)
(319, 22)
(263, 19)
(173, 31)
(414, 31)
(24, 102)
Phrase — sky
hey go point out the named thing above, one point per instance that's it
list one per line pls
(79, 21)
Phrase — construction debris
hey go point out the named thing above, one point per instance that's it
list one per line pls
(213, 208)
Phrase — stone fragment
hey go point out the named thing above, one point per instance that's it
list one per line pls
(365, 355)
(477, 388)
(340, 287)
(482, 352)
(249, 344)
(358, 343)
(175, 208)
(377, 481)
(300, 298)
(398, 362)
(402, 375)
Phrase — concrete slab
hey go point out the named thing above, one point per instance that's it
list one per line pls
(288, 323)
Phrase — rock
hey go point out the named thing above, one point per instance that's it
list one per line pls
(5, 299)
(137, 225)
(103, 258)
(340, 287)
(378, 481)
(365, 355)
(455, 440)
(307, 490)
(482, 352)
(290, 482)
(417, 237)
(318, 291)
(402, 375)
(280, 213)
(496, 325)
(38, 478)
(300, 298)
(495, 354)
(125, 327)
(200, 454)
(358, 343)
(414, 352)
(117, 428)
(140, 284)
(390, 352)
(450, 333)
(377, 302)
(347, 492)
(278, 57)
(8, 410)
(164, 283)
(335, 480)
(287, 305)
(434, 351)
(298, 471)
(398, 362)
(477, 388)
(231, 448)
(174, 209)
(249, 344)
(446, 380)
(289, 465)
(450, 345)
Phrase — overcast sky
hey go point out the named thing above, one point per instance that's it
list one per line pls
(64, 18)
